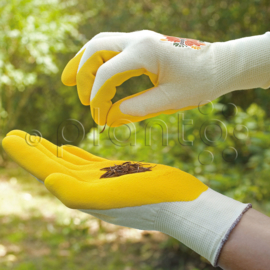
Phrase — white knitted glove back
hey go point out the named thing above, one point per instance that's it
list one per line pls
(203, 225)
(185, 72)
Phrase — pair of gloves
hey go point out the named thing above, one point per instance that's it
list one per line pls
(185, 73)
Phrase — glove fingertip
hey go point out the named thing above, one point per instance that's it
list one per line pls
(68, 77)
(69, 74)
(6, 142)
(62, 187)
(16, 132)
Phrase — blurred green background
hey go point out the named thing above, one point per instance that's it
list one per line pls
(37, 39)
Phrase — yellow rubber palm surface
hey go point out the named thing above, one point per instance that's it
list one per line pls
(75, 178)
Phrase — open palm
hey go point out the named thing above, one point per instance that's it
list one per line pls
(75, 178)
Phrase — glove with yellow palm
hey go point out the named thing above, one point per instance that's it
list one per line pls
(185, 72)
(165, 199)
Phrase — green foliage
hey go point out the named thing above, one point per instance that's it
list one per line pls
(34, 34)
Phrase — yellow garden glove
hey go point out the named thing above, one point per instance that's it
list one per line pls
(165, 199)
(186, 73)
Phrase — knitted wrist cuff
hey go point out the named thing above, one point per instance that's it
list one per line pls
(204, 224)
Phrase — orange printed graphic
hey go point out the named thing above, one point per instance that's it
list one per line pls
(184, 42)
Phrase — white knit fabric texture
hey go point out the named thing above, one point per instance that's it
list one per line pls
(202, 224)
(186, 76)
(242, 64)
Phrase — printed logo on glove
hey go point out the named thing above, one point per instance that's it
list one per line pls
(184, 42)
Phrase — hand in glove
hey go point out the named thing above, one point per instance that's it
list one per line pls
(165, 199)
(186, 73)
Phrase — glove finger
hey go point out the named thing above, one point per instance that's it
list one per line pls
(57, 151)
(38, 145)
(95, 53)
(70, 71)
(109, 76)
(32, 159)
(71, 192)
(82, 154)
(141, 106)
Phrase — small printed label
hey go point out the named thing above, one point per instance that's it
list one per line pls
(184, 42)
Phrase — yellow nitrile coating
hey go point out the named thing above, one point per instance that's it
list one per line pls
(80, 186)
(87, 74)
(35, 159)
(75, 151)
(162, 184)
(55, 150)
(70, 71)
(102, 109)
(117, 118)
(111, 114)
(102, 99)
